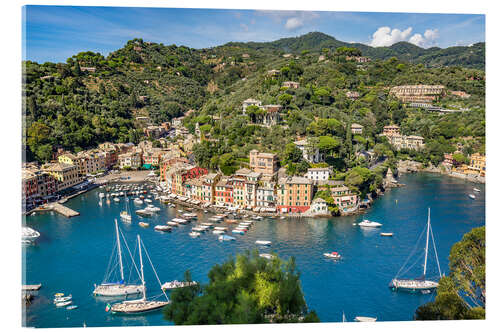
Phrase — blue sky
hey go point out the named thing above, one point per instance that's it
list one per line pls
(55, 33)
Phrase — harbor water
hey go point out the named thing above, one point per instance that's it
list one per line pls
(72, 255)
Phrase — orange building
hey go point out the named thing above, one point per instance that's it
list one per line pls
(294, 194)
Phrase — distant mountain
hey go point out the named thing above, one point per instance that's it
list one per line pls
(472, 57)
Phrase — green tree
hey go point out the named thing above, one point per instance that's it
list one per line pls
(245, 290)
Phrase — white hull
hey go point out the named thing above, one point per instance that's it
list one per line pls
(137, 307)
(413, 285)
(117, 289)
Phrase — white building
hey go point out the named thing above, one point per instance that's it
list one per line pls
(316, 174)
(319, 207)
(250, 101)
(311, 155)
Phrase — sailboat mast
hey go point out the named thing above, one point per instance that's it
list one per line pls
(427, 241)
(142, 268)
(119, 250)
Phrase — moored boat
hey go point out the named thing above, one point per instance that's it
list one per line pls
(142, 305)
(177, 284)
(472, 196)
(369, 224)
(332, 255)
(226, 238)
(163, 228)
(194, 234)
(365, 319)
(386, 234)
(144, 224)
(263, 242)
(266, 256)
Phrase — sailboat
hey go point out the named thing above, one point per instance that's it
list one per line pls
(419, 284)
(125, 215)
(141, 305)
(118, 288)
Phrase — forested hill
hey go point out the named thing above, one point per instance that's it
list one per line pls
(472, 57)
(93, 98)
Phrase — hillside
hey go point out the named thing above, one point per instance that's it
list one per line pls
(472, 57)
(91, 98)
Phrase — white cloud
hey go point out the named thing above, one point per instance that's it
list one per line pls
(384, 36)
(294, 23)
(417, 39)
(431, 34)
(293, 19)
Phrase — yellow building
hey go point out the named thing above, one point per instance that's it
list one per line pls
(66, 175)
(478, 164)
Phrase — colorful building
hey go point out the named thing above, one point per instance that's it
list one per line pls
(478, 164)
(294, 194)
(65, 175)
(264, 163)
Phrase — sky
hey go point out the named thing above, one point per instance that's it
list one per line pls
(55, 33)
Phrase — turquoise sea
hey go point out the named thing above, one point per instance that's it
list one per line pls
(73, 254)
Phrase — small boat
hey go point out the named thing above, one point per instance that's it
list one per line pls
(476, 189)
(266, 256)
(215, 219)
(221, 228)
(283, 217)
(231, 221)
(332, 255)
(180, 221)
(125, 216)
(102, 195)
(425, 291)
(194, 234)
(218, 232)
(173, 224)
(386, 234)
(369, 224)
(138, 201)
(61, 304)
(238, 231)
(58, 294)
(206, 224)
(143, 212)
(148, 200)
(62, 299)
(177, 284)
(163, 228)
(116, 199)
(144, 224)
(29, 234)
(472, 196)
(365, 319)
(190, 216)
(72, 307)
(263, 242)
(198, 229)
(226, 238)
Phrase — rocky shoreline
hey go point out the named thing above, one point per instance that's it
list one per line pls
(409, 166)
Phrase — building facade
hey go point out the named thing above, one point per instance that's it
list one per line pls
(294, 194)
(264, 163)
(310, 154)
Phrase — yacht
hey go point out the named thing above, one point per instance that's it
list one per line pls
(177, 284)
(263, 242)
(332, 255)
(163, 228)
(29, 234)
(369, 224)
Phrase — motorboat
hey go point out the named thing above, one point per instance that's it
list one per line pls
(144, 224)
(138, 201)
(62, 304)
(194, 234)
(386, 234)
(369, 224)
(198, 229)
(116, 199)
(221, 228)
(163, 228)
(263, 242)
(144, 212)
(190, 216)
(72, 307)
(332, 255)
(226, 238)
(62, 299)
(476, 189)
(29, 234)
(148, 200)
(218, 232)
(173, 224)
(365, 319)
(266, 256)
(152, 208)
(177, 284)
(238, 231)
(180, 221)
(125, 216)
(472, 196)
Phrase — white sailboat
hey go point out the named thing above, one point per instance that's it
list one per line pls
(141, 305)
(422, 283)
(119, 288)
(125, 215)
